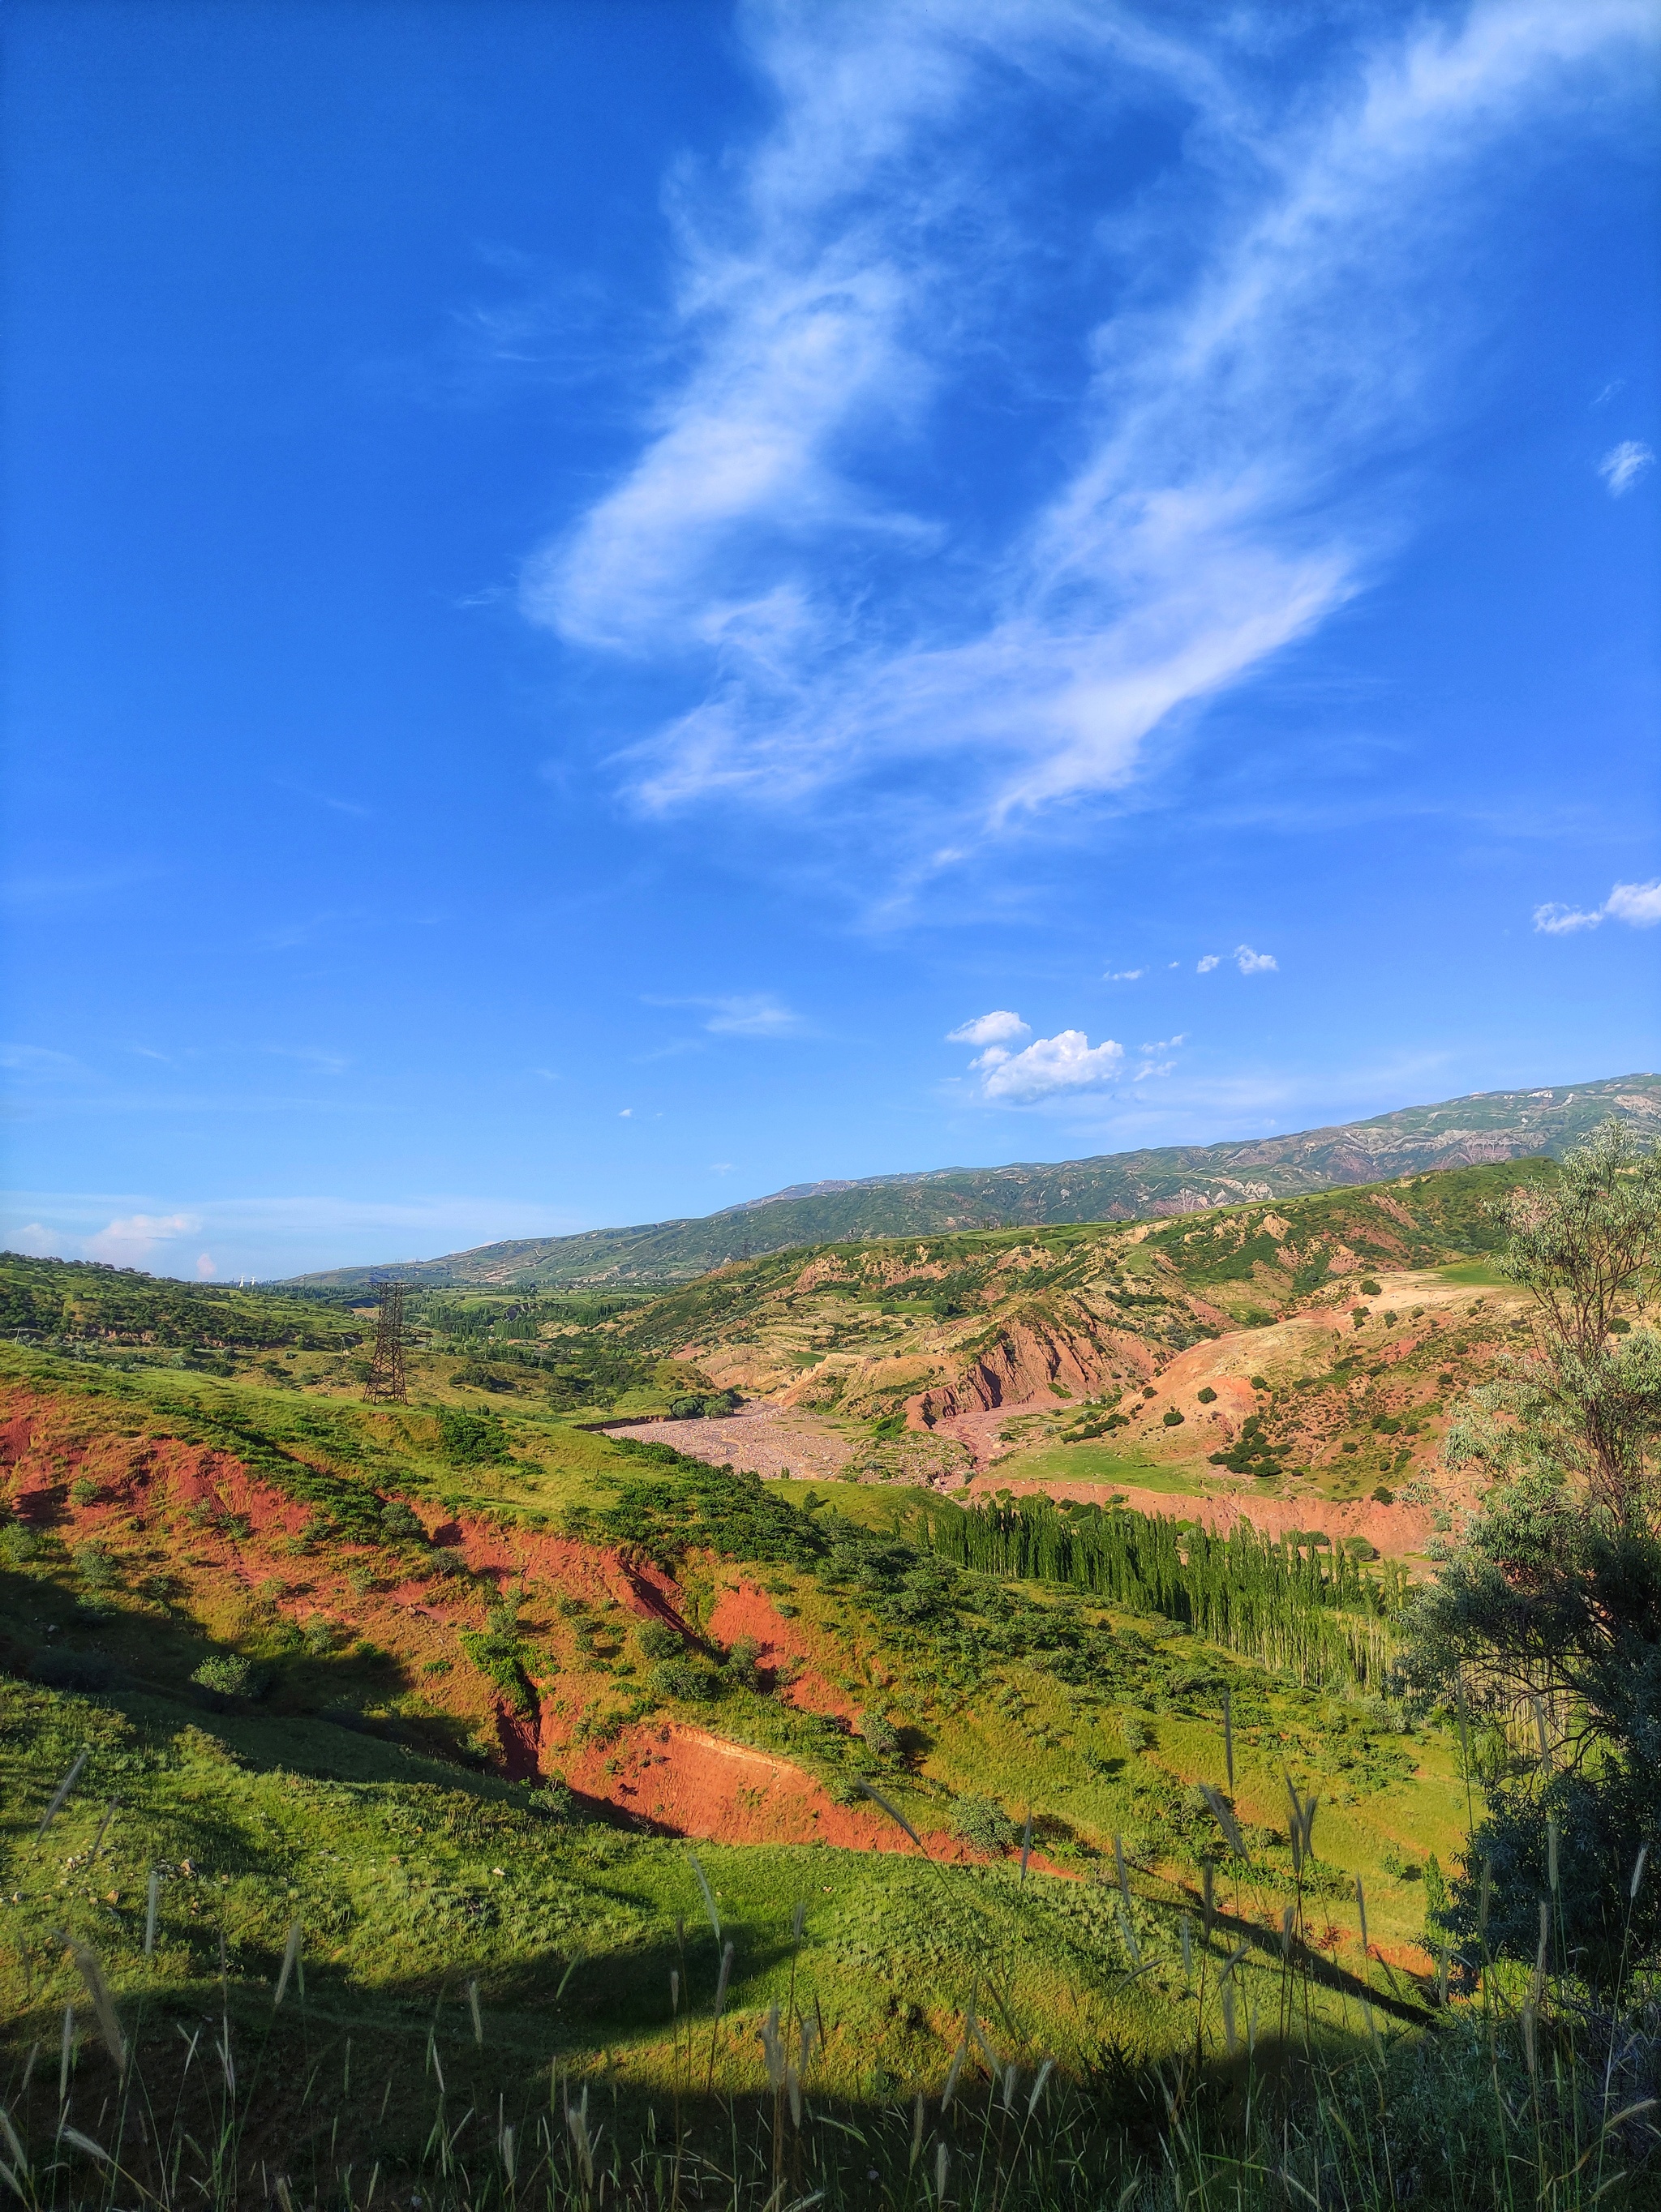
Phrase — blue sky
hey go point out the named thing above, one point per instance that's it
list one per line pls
(612, 606)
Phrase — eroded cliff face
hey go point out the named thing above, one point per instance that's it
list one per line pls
(1036, 1356)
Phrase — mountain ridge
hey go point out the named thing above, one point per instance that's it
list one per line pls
(1154, 1181)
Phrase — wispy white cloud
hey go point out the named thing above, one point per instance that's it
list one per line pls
(37, 1063)
(129, 1241)
(1207, 961)
(841, 275)
(1638, 904)
(1124, 975)
(1623, 465)
(752, 1016)
(317, 1058)
(736, 1013)
(990, 1029)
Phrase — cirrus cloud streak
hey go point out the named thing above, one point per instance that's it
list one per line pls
(1236, 437)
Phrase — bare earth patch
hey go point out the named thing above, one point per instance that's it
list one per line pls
(770, 1440)
(758, 1439)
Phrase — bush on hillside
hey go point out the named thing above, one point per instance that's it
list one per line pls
(473, 1439)
(18, 1545)
(879, 1736)
(658, 1640)
(983, 1823)
(227, 1674)
(680, 1678)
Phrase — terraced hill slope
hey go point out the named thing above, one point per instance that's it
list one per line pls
(1499, 1125)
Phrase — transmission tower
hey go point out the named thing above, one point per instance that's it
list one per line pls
(386, 1385)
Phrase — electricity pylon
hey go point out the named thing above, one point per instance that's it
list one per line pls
(386, 1385)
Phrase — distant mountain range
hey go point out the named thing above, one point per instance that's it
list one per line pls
(1491, 1125)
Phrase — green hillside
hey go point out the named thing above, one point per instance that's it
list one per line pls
(453, 1805)
(1114, 1187)
(287, 1669)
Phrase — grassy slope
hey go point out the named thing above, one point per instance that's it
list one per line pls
(383, 1836)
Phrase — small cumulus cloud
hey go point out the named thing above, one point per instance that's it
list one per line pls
(132, 1237)
(1623, 465)
(1000, 1028)
(1049, 1067)
(1254, 963)
(1124, 975)
(205, 1266)
(626, 1113)
(1560, 920)
(37, 1242)
(1207, 961)
(1637, 904)
(1164, 1044)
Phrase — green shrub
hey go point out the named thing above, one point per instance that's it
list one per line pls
(17, 1544)
(473, 1439)
(658, 1640)
(741, 1662)
(1369, 1288)
(227, 1674)
(1205, 1395)
(879, 1736)
(96, 1566)
(83, 1490)
(679, 1679)
(1173, 1419)
(983, 1823)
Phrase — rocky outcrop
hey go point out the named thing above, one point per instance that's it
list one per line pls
(1032, 1357)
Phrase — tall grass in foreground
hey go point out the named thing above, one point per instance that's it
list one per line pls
(1523, 2090)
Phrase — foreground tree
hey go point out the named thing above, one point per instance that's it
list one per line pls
(1545, 1622)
